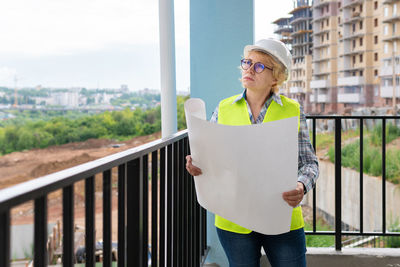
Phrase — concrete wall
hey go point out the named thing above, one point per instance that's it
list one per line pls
(22, 240)
(372, 193)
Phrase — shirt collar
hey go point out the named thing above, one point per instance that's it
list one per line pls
(274, 96)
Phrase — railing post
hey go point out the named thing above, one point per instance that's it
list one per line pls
(145, 209)
(40, 236)
(361, 176)
(162, 206)
(338, 184)
(90, 223)
(383, 175)
(134, 213)
(107, 221)
(122, 215)
(186, 207)
(5, 238)
(182, 214)
(68, 226)
(154, 209)
(175, 205)
(314, 200)
(169, 244)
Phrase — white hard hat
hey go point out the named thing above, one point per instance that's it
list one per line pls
(274, 48)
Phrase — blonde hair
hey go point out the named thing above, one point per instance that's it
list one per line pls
(278, 70)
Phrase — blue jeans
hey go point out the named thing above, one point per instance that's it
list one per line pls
(284, 250)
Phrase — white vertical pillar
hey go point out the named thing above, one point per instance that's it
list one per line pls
(167, 64)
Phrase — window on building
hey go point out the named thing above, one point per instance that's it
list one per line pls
(361, 8)
(322, 24)
(376, 39)
(394, 28)
(322, 38)
(385, 48)
(386, 11)
(339, 4)
(385, 30)
(354, 9)
(327, 8)
(375, 22)
(338, 20)
(354, 59)
(394, 46)
(361, 25)
(376, 73)
(354, 27)
(376, 5)
(327, 36)
(327, 22)
(361, 58)
(361, 41)
(394, 9)
(354, 73)
(354, 44)
(361, 73)
(376, 56)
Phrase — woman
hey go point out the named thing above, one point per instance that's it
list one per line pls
(266, 65)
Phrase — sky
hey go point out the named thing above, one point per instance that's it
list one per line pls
(99, 43)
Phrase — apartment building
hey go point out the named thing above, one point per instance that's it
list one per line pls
(359, 47)
(283, 30)
(390, 56)
(325, 56)
(355, 54)
(299, 84)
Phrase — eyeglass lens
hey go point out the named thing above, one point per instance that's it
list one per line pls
(247, 63)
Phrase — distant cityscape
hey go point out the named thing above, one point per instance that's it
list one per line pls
(78, 98)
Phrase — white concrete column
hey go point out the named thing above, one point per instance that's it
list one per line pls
(167, 65)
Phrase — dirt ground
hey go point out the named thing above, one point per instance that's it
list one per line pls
(23, 166)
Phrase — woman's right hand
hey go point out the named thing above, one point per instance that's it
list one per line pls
(193, 170)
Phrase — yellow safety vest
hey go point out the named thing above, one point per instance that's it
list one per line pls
(230, 113)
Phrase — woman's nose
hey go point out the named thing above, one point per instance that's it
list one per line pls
(251, 69)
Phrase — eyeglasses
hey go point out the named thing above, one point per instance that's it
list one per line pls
(258, 66)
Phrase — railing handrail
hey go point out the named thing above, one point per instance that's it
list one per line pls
(20, 193)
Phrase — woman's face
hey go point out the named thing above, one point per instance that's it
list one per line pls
(258, 82)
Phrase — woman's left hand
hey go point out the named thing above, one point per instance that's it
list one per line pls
(294, 197)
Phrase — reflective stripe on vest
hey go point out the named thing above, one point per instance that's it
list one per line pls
(230, 113)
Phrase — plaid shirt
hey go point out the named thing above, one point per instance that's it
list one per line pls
(307, 163)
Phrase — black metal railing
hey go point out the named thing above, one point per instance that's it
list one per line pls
(178, 223)
(339, 232)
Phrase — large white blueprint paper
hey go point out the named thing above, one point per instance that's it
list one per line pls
(245, 169)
